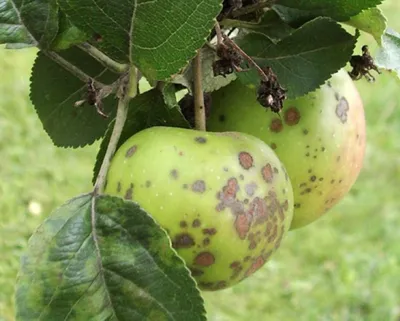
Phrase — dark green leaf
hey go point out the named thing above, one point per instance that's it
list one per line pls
(114, 264)
(158, 36)
(68, 35)
(303, 60)
(372, 21)
(54, 92)
(388, 56)
(169, 94)
(210, 83)
(28, 22)
(340, 10)
(146, 110)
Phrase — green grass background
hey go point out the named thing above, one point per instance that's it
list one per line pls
(346, 266)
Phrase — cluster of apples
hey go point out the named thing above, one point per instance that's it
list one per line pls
(228, 196)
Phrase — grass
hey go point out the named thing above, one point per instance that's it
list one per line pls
(346, 266)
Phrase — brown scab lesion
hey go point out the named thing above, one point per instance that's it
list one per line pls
(292, 116)
(246, 160)
(196, 272)
(206, 241)
(196, 223)
(131, 150)
(129, 192)
(201, 140)
(183, 240)
(148, 184)
(183, 224)
(204, 259)
(258, 210)
(257, 264)
(267, 173)
(276, 125)
(250, 188)
(341, 110)
(209, 231)
(174, 174)
(242, 225)
(199, 186)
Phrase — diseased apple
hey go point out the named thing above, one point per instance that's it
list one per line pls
(320, 138)
(224, 198)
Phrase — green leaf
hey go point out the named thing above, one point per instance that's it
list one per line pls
(340, 10)
(113, 264)
(388, 56)
(210, 83)
(68, 35)
(54, 92)
(159, 36)
(28, 22)
(146, 110)
(304, 60)
(169, 94)
(371, 21)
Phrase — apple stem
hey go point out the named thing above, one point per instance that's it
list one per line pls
(199, 109)
(127, 91)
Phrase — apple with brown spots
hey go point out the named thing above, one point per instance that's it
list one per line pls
(210, 191)
(319, 137)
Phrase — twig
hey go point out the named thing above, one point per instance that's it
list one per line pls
(218, 32)
(251, 8)
(199, 109)
(103, 58)
(247, 57)
(71, 68)
(120, 119)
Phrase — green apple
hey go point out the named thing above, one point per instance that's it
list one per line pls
(319, 137)
(224, 198)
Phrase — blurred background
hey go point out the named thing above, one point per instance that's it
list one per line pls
(346, 266)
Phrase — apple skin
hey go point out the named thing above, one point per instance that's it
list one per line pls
(224, 199)
(319, 137)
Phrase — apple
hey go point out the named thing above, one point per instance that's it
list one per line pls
(224, 199)
(319, 137)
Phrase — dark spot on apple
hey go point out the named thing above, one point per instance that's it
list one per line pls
(129, 192)
(276, 125)
(185, 186)
(148, 184)
(234, 265)
(183, 240)
(201, 140)
(199, 186)
(307, 154)
(241, 177)
(131, 151)
(204, 259)
(209, 231)
(183, 224)
(226, 169)
(310, 171)
(341, 110)
(274, 146)
(221, 118)
(292, 116)
(258, 263)
(338, 159)
(250, 188)
(196, 272)
(206, 241)
(332, 181)
(323, 149)
(196, 223)
(245, 160)
(297, 205)
(267, 174)
(340, 181)
(308, 146)
(119, 187)
(252, 245)
(315, 157)
(328, 83)
(302, 185)
(305, 131)
(337, 96)
(242, 225)
(174, 174)
(246, 201)
(313, 178)
(321, 179)
(276, 171)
